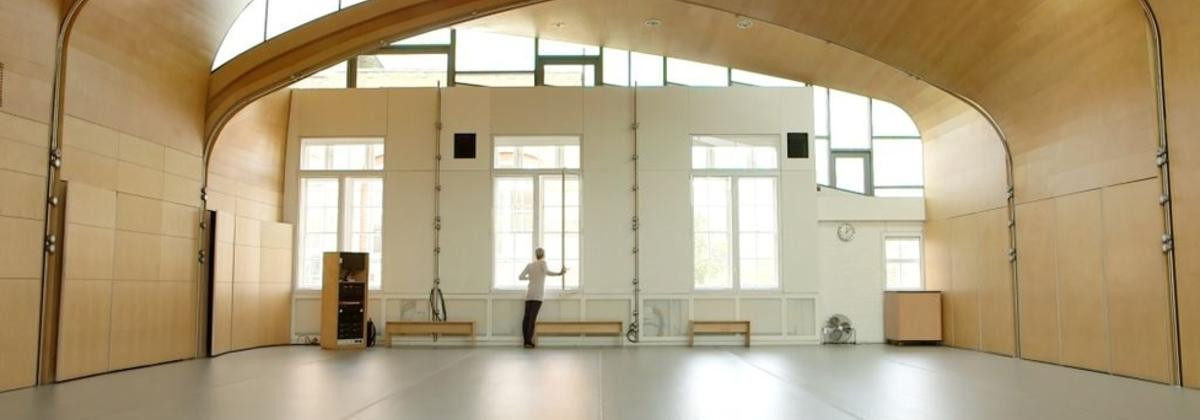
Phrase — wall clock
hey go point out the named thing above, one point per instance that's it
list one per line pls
(845, 232)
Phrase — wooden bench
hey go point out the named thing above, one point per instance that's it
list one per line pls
(719, 327)
(615, 328)
(466, 328)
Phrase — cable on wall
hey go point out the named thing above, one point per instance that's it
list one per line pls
(437, 301)
(634, 334)
(1164, 200)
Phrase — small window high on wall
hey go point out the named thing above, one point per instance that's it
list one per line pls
(903, 262)
(341, 204)
(532, 208)
(866, 146)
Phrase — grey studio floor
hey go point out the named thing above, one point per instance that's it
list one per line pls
(808, 382)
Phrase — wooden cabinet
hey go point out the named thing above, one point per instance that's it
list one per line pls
(912, 316)
(344, 300)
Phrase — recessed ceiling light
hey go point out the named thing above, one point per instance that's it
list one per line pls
(653, 22)
(744, 23)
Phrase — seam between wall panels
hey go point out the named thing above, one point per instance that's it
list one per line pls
(1107, 294)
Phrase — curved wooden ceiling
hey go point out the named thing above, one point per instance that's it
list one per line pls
(709, 35)
(1055, 74)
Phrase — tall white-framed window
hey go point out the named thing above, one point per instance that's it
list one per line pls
(341, 204)
(735, 212)
(902, 262)
(530, 209)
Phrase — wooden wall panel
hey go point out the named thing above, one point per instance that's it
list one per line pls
(30, 28)
(1083, 294)
(134, 311)
(84, 326)
(222, 311)
(1038, 277)
(1137, 287)
(246, 318)
(965, 289)
(938, 276)
(253, 290)
(19, 305)
(995, 290)
(1179, 21)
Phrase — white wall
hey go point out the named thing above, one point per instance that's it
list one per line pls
(603, 117)
(852, 273)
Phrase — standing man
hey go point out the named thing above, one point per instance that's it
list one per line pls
(535, 272)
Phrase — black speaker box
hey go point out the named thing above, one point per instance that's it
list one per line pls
(797, 145)
(464, 145)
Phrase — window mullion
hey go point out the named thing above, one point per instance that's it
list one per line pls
(735, 250)
(343, 205)
(537, 211)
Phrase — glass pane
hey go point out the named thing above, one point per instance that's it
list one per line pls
(348, 3)
(482, 51)
(850, 120)
(402, 70)
(616, 67)
(756, 79)
(364, 208)
(536, 152)
(434, 37)
(821, 110)
(553, 224)
(513, 224)
(333, 77)
(506, 157)
(735, 152)
(349, 154)
(711, 247)
(246, 32)
(899, 192)
(495, 79)
(887, 119)
(282, 16)
(822, 146)
(757, 228)
(646, 69)
(903, 257)
(691, 73)
(849, 174)
(569, 75)
(318, 227)
(549, 47)
(898, 163)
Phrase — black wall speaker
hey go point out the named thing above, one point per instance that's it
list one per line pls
(797, 145)
(464, 145)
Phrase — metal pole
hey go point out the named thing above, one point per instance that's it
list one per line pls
(1164, 175)
(562, 233)
(437, 313)
(634, 333)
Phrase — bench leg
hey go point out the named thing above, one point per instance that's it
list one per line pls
(387, 338)
(747, 337)
(692, 336)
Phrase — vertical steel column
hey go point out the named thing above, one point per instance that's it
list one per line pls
(1162, 160)
(634, 333)
(437, 308)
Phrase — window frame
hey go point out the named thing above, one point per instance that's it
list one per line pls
(343, 177)
(735, 231)
(536, 175)
(920, 260)
(869, 186)
(735, 175)
(868, 170)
